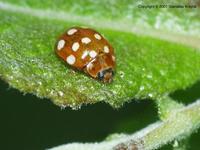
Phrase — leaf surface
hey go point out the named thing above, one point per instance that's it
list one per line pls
(146, 67)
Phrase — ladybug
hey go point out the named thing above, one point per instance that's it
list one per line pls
(87, 50)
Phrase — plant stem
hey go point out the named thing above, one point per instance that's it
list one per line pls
(167, 106)
(176, 127)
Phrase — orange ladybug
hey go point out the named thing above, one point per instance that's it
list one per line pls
(87, 50)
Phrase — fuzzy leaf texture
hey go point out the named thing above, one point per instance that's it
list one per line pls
(146, 67)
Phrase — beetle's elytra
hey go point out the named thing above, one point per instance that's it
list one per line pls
(87, 50)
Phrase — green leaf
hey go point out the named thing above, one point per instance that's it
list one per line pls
(127, 12)
(146, 67)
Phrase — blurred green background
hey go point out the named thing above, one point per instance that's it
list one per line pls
(28, 123)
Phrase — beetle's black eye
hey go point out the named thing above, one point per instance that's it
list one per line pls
(100, 75)
(106, 75)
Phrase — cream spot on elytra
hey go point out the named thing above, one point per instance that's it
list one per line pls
(106, 49)
(61, 44)
(72, 31)
(85, 40)
(75, 46)
(71, 59)
(93, 54)
(85, 54)
(97, 36)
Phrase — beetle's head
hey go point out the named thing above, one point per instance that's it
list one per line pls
(102, 68)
